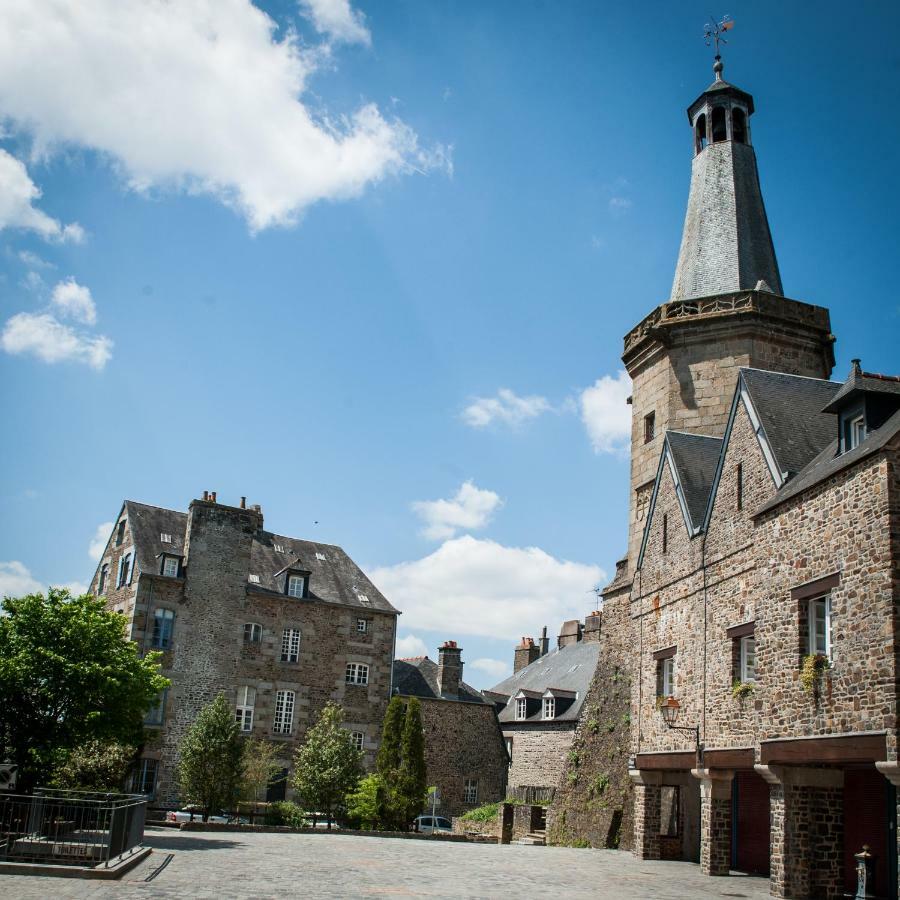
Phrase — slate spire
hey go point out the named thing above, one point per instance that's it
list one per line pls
(726, 245)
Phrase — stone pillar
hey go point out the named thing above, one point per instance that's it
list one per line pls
(646, 813)
(807, 837)
(715, 820)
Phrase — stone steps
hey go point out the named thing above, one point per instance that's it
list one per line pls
(533, 839)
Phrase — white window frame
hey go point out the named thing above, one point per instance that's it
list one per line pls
(254, 635)
(549, 708)
(470, 790)
(356, 673)
(290, 645)
(747, 650)
(521, 707)
(357, 739)
(165, 538)
(292, 590)
(126, 565)
(161, 615)
(362, 626)
(856, 429)
(139, 779)
(820, 610)
(668, 676)
(246, 701)
(253, 579)
(169, 561)
(283, 719)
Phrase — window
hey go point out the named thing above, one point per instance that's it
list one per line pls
(104, 576)
(252, 633)
(143, 780)
(357, 673)
(549, 707)
(748, 658)
(739, 478)
(356, 739)
(170, 566)
(120, 533)
(290, 645)
(665, 533)
(738, 126)
(670, 800)
(296, 586)
(163, 621)
(857, 430)
(322, 557)
(124, 575)
(363, 598)
(700, 133)
(719, 128)
(246, 700)
(820, 626)
(665, 676)
(521, 708)
(165, 538)
(278, 548)
(649, 427)
(156, 713)
(470, 791)
(509, 746)
(362, 626)
(253, 579)
(283, 722)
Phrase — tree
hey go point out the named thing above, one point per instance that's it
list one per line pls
(260, 766)
(68, 676)
(327, 766)
(387, 764)
(96, 766)
(212, 759)
(365, 805)
(413, 782)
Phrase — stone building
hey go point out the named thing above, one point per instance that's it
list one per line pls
(542, 700)
(760, 594)
(278, 625)
(465, 756)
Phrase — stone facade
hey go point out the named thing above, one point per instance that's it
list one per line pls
(539, 753)
(210, 601)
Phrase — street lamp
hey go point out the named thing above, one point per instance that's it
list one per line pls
(670, 710)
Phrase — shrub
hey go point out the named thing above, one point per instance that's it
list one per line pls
(283, 812)
(741, 689)
(484, 813)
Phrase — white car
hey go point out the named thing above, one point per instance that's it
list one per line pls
(194, 814)
(433, 825)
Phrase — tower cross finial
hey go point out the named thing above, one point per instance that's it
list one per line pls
(713, 33)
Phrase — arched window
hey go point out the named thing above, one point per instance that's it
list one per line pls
(739, 126)
(700, 133)
(719, 129)
(104, 577)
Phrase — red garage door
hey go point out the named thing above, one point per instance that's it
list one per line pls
(866, 822)
(751, 824)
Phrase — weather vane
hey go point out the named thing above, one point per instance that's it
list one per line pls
(713, 31)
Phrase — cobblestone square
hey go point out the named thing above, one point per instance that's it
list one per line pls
(244, 866)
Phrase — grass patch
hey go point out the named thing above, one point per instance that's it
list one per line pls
(485, 813)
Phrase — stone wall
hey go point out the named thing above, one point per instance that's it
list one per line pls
(538, 752)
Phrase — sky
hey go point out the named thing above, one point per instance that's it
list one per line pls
(370, 265)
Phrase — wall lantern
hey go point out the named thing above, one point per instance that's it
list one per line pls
(670, 709)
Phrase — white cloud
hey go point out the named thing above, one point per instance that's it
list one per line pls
(16, 580)
(34, 261)
(606, 414)
(43, 336)
(472, 586)
(98, 541)
(199, 95)
(471, 508)
(495, 669)
(18, 194)
(75, 301)
(506, 407)
(337, 20)
(410, 646)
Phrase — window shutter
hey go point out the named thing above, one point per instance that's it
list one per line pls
(131, 563)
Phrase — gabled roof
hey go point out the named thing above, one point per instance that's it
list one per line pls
(860, 382)
(569, 668)
(418, 677)
(146, 524)
(695, 457)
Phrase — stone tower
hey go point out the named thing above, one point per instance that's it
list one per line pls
(727, 307)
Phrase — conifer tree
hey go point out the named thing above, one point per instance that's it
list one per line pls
(413, 781)
(388, 760)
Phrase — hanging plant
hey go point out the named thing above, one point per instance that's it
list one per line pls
(814, 665)
(741, 689)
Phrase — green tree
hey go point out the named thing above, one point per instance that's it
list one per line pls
(96, 766)
(365, 805)
(68, 676)
(413, 782)
(260, 766)
(387, 762)
(327, 766)
(211, 769)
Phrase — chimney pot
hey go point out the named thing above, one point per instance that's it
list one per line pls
(206, 495)
(243, 502)
(212, 496)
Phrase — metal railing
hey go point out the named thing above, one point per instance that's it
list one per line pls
(62, 827)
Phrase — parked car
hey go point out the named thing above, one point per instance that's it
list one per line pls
(433, 825)
(195, 814)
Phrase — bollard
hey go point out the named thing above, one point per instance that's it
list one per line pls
(865, 873)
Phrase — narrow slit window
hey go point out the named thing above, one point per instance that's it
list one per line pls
(739, 477)
(665, 533)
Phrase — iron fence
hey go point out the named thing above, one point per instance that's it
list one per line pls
(62, 827)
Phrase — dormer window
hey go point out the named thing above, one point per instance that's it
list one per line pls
(521, 708)
(296, 586)
(856, 431)
(170, 566)
(549, 710)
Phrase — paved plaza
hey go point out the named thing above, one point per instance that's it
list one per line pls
(220, 865)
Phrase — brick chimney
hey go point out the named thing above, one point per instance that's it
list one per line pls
(526, 653)
(449, 669)
(570, 633)
(592, 626)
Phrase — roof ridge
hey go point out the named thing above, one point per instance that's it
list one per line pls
(880, 377)
(153, 506)
(788, 374)
(693, 434)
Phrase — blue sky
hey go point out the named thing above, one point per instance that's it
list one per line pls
(300, 261)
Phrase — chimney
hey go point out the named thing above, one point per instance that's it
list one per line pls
(449, 669)
(212, 496)
(570, 633)
(206, 495)
(243, 502)
(545, 642)
(526, 653)
(592, 624)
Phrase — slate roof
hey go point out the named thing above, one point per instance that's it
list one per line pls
(790, 410)
(569, 668)
(334, 578)
(696, 457)
(861, 382)
(418, 677)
